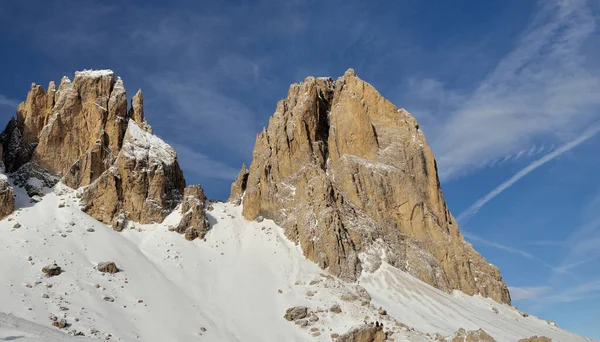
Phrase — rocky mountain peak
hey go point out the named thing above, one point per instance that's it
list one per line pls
(350, 178)
(85, 135)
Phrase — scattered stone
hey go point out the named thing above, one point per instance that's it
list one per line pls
(203, 329)
(60, 324)
(536, 339)
(310, 293)
(494, 310)
(259, 219)
(91, 230)
(61, 205)
(97, 286)
(296, 313)
(17, 225)
(51, 270)
(108, 299)
(45, 296)
(336, 309)
(334, 336)
(313, 318)
(107, 267)
(279, 291)
(382, 311)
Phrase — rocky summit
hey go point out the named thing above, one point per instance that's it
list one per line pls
(351, 179)
(84, 135)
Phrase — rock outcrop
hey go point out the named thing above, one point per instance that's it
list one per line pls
(471, 336)
(536, 339)
(193, 222)
(239, 185)
(84, 135)
(144, 184)
(351, 179)
(364, 333)
(7, 198)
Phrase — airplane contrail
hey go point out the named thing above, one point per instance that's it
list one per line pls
(474, 208)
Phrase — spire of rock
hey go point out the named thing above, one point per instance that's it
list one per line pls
(351, 179)
(238, 186)
(136, 113)
(84, 133)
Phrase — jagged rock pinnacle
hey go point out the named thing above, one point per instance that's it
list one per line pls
(350, 177)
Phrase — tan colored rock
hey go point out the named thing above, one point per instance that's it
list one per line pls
(364, 333)
(239, 185)
(344, 172)
(145, 182)
(107, 267)
(136, 113)
(7, 199)
(21, 134)
(51, 270)
(472, 336)
(193, 221)
(536, 339)
(296, 313)
(81, 119)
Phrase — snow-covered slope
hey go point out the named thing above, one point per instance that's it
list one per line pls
(235, 286)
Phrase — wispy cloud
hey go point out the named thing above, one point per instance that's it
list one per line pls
(582, 244)
(527, 293)
(584, 291)
(8, 102)
(543, 90)
(475, 207)
(505, 248)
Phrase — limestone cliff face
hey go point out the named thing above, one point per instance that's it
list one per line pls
(351, 179)
(84, 135)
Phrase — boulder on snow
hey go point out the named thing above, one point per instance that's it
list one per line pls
(364, 333)
(107, 267)
(472, 336)
(51, 270)
(336, 308)
(295, 313)
(60, 323)
(536, 339)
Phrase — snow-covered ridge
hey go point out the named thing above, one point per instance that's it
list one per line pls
(235, 286)
(94, 73)
(140, 144)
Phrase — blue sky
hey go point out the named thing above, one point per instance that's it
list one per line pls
(507, 92)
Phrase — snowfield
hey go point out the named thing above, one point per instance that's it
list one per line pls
(235, 286)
